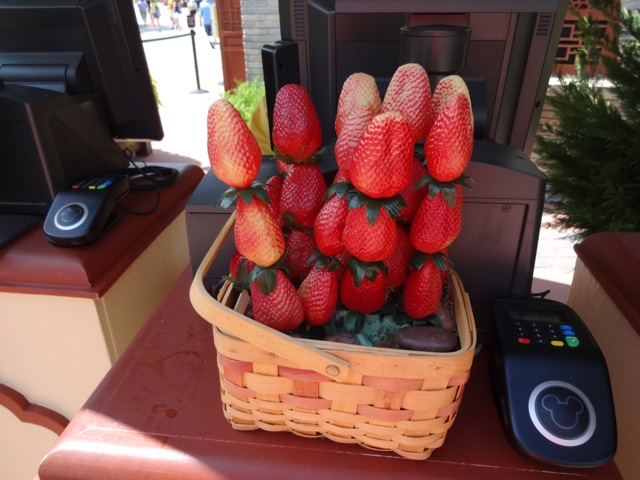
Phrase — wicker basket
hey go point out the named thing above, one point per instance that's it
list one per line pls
(392, 400)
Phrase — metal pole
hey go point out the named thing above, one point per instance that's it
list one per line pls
(195, 62)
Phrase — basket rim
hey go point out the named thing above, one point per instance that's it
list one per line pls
(320, 355)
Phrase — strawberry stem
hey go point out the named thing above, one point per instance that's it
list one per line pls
(448, 189)
(360, 270)
(257, 189)
(440, 260)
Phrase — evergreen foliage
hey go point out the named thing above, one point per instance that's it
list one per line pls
(591, 152)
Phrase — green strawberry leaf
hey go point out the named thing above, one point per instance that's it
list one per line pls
(360, 270)
(340, 189)
(372, 212)
(354, 322)
(290, 221)
(291, 161)
(228, 197)
(264, 277)
(439, 259)
(449, 194)
(394, 205)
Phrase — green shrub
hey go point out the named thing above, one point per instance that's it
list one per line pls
(591, 153)
(246, 96)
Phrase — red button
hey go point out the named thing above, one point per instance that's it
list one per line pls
(526, 341)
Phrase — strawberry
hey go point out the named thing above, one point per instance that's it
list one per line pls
(449, 145)
(448, 87)
(359, 97)
(302, 194)
(299, 247)
(234, 264)
(382, 162)
(423, 288)
(362, 295)
(367, 238)
(409, 93)
(234, 153)
(329, 225)
(281, 309)
(319, 293)
(358, 104)
(437, 222)
(398, 262)
(273, 187)
(296, 133)
(412, 194)
(257, 234)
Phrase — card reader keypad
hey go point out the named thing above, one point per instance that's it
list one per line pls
(543, 333)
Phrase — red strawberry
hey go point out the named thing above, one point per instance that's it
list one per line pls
(449, 145)
(359, 97)
(369, 241)
(413, 196)
(234, 264)
(299, 247)
(422, 290)
(319, 294)
(282, 166)
(273, 187)
(234, 153)
(297, 133)
(398, 262)
(302, 194)
(364, 296)
(345, 147)
(382, 161)
(257, 234)
(409, 93)
(339, 177)
(436, 224)
(359, 103)
(329, 225)
(282, 308)
(448, 87)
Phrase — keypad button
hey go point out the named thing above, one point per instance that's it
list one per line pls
(572, 341)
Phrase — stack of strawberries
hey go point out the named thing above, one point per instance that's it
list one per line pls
(385, 222)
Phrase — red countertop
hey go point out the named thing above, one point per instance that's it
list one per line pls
(157, 415)
(30, 264)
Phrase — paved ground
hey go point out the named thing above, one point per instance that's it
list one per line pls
(170, 55)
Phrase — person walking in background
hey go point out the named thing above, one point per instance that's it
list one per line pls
(206, 13)
(175, 14)
(154, 9)
(193, 8)
(143, 6)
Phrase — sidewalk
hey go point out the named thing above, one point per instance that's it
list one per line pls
(184, 118)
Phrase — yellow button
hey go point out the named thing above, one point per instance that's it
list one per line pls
(557, 343)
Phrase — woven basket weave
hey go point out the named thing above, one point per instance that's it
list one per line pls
(393, 400)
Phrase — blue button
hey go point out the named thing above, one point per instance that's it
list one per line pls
(566, 327)
(569, 333)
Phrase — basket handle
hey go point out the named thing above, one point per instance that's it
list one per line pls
(240, 326)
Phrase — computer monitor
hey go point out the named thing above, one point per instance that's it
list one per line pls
(73, 80)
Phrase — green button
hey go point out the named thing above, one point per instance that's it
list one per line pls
(572, 341)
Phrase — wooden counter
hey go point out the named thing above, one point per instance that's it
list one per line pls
(157, 415)
(605, 292)
(66, 315)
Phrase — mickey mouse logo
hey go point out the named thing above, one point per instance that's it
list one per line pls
(562, 413)
(565, 413)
